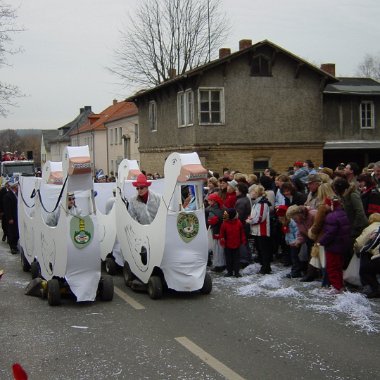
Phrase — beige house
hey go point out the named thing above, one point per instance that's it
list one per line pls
(123, 136)
(47, 137)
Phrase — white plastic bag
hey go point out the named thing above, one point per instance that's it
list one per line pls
(351, 274)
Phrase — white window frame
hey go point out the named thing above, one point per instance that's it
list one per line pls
(153, 116)
(222, 109)
(185, 108)
(369, 107)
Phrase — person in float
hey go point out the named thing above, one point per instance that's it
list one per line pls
(143, 207)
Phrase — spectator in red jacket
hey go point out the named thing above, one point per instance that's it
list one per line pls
(232, 237)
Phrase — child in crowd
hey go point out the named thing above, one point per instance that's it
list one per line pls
(289, 229)
(214, 220)
(336, 240)
(232, 237)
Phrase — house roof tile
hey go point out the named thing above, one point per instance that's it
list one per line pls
(227, 58)
(116, 111)
(352, 86)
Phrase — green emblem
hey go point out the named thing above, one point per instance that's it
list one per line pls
(81, 231)
(187, 226)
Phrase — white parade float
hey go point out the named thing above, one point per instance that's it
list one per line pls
(63, 241)
(105, 201)
(171, 251)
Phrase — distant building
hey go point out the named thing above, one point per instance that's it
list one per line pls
(59, 143)
(106, 135)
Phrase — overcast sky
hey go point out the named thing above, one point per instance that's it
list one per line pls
(68, 44)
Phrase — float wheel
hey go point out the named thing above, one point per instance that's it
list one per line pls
(106, 288)
(53, 292)
(110, 266)
(128, 275)
(207, 285)
(35, 269)
(24, 262)
(155, 287)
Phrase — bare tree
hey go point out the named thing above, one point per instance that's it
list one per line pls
(8, 92)
(168, 34)
(10, 141)
(370, 67)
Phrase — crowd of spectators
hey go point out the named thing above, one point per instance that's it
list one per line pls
(320, 222)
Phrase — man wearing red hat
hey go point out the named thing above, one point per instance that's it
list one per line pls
(300, 172)
(143, 207)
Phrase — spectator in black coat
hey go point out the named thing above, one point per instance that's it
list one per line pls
(10, 211)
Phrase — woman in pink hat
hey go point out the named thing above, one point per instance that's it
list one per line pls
(143, 207)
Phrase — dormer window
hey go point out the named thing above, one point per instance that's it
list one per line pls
(261, 66)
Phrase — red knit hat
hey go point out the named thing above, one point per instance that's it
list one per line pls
(141, 181)
(281, 210)
(298, 164)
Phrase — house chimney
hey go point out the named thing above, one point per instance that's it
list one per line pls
(224, 52)
(81, 110)
(329, 68)
(172, 73)
(87, 108)
(244, 44)
(114, 101)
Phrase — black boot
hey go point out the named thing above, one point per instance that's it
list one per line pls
(311, 274)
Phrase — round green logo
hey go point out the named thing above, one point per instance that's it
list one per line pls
(81, 231)
(187, 226)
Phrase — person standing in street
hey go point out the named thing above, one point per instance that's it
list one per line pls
(3, 191)
(10, 211)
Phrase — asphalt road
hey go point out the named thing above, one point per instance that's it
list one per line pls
(182, 336)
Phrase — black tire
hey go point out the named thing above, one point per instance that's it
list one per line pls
(155, 287)
(106, 288)
(35, 269)
(110, 266)
(53, 292)
(128, 275)
(24, 262)
(207, 285)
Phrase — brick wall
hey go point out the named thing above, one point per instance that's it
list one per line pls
(215, 159)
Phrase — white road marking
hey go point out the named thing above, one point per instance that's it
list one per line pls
(208, 359)
(128, 299)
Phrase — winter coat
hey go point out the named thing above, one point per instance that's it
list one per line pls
(312, 200)
(301, 174)
(297, 199)
(279, 199)
(304, 225)
(215, 219)
(144, 213)
(336, 237)
(232, 234)
(353, 206)
(291, 233)
(10, 206)
(243, 207)
(230, 200)
(371, 200)
(260, 218)
(365, 236)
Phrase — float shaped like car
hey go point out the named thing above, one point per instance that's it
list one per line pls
(171, 251)
(64, 245)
